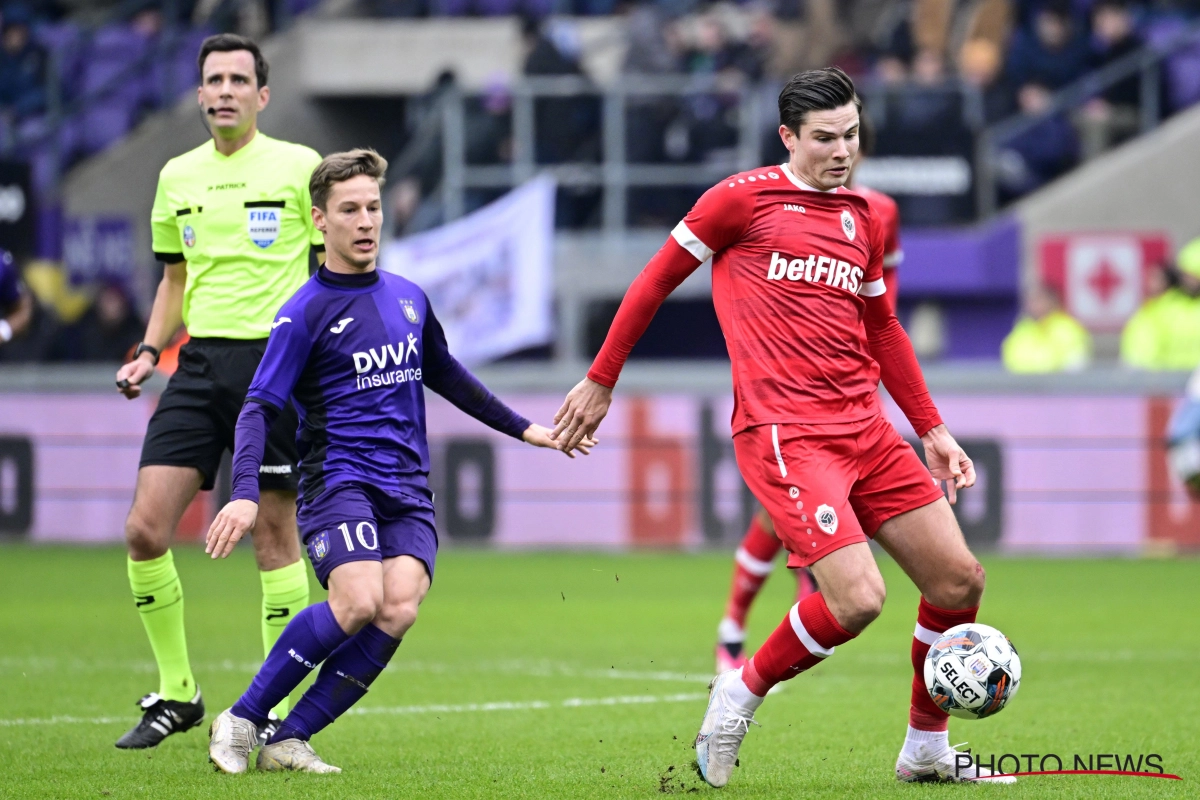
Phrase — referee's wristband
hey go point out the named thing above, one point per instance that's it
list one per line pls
(6, 331)
(146, 348)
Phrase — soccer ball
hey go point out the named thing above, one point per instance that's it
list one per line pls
(972, 671)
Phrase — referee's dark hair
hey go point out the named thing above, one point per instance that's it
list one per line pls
(339, 167)
(231, 42)
(815, 90)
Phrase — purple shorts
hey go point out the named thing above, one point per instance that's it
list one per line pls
(356, 522)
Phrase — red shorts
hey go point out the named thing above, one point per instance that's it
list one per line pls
(825, 485)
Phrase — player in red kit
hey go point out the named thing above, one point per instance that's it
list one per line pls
(799, 292)
(754, 560)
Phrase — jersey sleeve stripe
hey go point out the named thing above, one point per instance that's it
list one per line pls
(873, 288)
(690, 242)
(894, 259)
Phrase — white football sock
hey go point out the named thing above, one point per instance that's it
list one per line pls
(729, 632)
(740, 693)
(931, 741)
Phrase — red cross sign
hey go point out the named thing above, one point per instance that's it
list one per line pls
(1101, 276)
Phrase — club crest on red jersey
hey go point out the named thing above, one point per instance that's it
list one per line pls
(848, 225)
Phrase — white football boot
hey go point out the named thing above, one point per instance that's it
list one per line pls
(231, 740)
(294, 755)
(725, 724)
(937, 763)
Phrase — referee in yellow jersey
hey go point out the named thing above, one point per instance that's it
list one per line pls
(231, 223)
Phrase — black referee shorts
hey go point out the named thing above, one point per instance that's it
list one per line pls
(193, 424)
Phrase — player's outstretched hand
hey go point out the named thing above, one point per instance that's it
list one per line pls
(235, 519)
(131, 376)
(947, 462)
(581, 413)
(540, 436)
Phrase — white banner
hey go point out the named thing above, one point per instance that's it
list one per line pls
(490, 275)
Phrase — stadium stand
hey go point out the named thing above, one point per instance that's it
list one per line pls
(634, 109)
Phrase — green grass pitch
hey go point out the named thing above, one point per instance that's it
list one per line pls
(583, 675)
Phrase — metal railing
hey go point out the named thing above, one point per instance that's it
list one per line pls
(612, 173)
(1147, 64)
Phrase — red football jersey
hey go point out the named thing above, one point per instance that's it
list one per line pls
(789, 265)
(888, 214)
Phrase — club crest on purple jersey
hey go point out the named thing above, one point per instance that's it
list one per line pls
(320, 545)
(410, 313)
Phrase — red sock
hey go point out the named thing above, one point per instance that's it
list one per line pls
(932, 622)
(806, 636)
(752, 566)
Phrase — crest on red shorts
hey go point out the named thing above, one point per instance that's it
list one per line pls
(827, 519)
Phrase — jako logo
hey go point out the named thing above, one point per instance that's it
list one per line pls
(397, 355)
(793, 207)
(816, 269)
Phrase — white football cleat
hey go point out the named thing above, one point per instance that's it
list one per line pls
(230, 741)
(295, 755)
(939, 764)
(725, 725)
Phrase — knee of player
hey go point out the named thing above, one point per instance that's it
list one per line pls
(397, 616)
(866, 604)
(143, 540)
(975, 580)
(962, 586)
(356, 609)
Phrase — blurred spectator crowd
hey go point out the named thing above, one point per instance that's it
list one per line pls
(934, 74)
(76, 78)
(50, 323)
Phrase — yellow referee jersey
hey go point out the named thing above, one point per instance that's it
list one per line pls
(243, 224)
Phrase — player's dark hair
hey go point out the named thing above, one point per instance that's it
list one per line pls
(815, 90)
(339, 167)
(229, 43)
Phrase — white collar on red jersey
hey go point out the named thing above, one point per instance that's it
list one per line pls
(799, 184)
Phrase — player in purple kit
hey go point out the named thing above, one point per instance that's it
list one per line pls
(354, 348)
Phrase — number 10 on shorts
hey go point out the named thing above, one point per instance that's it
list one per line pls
(361, 530)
